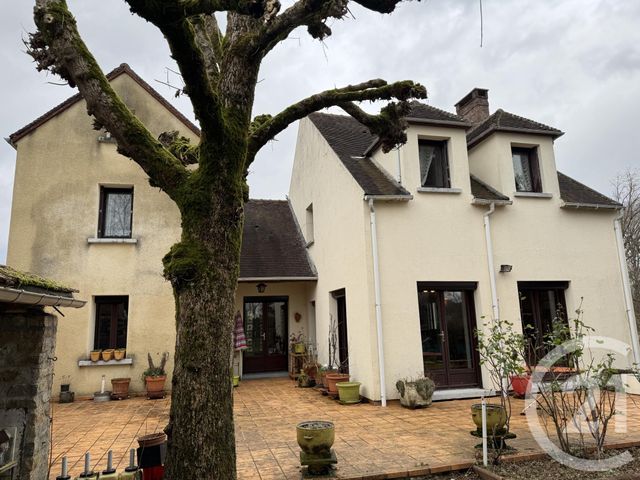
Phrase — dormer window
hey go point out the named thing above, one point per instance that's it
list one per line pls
(526, 169)
(434, 165)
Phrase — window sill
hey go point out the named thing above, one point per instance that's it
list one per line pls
(533, 194)
(112, 240)
(438, 190)
(100, 363)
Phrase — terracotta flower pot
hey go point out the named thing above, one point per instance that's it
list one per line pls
(333, 378)
(120, 388)
(119, 353)
(155, 386)
(107, 354)
(95, 355)
(520, 383)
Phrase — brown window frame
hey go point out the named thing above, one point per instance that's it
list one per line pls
(534, 167)
(114, 301)
(443, 146)
(104, 192)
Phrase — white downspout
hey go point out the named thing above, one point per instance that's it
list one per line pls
(626, 287)
(492, 271)
(399, 167)
(376, 284)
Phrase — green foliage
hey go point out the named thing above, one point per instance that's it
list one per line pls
(184, 262)
(153, 370)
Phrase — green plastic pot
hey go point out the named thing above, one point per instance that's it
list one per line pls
(236, 380)
(349, 392)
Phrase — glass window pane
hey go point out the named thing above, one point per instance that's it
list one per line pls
(458, 336)
(430, 330)
(277, 335)
(433, 164)
(117, 214)
(253, 328)
(522, 170)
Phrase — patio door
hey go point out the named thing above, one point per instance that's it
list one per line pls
(447, 323)
(265, 322)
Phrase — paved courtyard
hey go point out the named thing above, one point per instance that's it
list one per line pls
(371, 442)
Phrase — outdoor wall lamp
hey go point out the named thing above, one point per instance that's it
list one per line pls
(261, 287)
(506, 268)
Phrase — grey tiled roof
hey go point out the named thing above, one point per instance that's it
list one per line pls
(572, 191)
(502, 121)
(272, 244)
(482, 191)
(424, 112)
(349, 139)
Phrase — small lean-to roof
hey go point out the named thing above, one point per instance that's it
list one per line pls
(483, 191)
(502, 121)
(576, 194)
(122, 69)
(349, 139)
(272, 244)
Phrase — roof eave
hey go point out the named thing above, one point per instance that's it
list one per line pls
(388, 198)
(492, 130)
(277, 279)
(590, 206)
(486, 201)
(447, 123)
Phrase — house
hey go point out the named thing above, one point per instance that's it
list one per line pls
(402, 254)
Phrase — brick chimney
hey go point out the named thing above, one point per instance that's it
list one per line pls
(474, 107)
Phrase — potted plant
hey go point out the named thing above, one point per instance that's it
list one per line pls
(333, 378)
(94, 356)
(415, 392)
(119, 353)
(297, 343)
(154, 377)
(304, 381)
(349, 392)
(500, 349)
(120, 388)
(107, 354)
(520, 383)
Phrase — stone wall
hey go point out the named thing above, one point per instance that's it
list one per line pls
(27, 345)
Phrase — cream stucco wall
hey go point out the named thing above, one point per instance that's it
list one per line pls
(60, 167)
(340, 251)
(440, 237)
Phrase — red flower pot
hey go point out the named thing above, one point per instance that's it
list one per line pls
(332, 378)
(520, 384)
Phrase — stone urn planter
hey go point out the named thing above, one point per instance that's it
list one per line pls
(415, 393)
(496, 417)
(332, 378)
(120, 388)
(315, 436)
(349, 392)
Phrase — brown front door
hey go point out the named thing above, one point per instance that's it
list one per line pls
(447, 324)
(265, 323)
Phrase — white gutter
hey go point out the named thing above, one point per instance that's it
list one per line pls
(626, 287)
(277, 279)
(376, 283)
(399, 178)
(593, 206)
(12, 295)
(492, 270)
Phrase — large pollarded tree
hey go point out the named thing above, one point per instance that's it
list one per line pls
(220, 71)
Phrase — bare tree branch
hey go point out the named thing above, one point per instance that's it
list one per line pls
(388, 125)
(209, 39)
(57, 47)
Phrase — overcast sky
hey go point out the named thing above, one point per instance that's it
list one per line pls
(572, 64)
